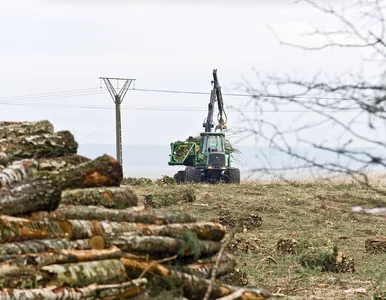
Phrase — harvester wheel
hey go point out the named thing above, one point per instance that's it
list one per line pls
(192, 174)
(232, 175)
(180, 176)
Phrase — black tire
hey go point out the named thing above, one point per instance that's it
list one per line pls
(181, 176)
(232, 175)
(176, 177)
(192, 174)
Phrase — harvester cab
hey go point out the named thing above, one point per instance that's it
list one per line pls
(206, 157)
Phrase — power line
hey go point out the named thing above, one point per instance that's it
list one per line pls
(53, 95)
(90, 91)
(173, 108)
(239, 95)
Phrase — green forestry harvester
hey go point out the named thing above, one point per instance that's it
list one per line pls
(207, 157)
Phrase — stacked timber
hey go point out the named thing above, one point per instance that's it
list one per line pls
(68, 230)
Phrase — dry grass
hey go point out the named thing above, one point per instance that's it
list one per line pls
(316, 213)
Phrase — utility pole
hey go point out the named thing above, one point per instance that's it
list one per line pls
(117, 99)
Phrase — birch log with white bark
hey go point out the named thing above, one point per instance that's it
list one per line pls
(39, 146)
(14, 129)
(108, 197)
(29, 196)
(131, 215)
(126, 290)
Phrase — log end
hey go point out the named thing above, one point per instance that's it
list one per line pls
(97, 242)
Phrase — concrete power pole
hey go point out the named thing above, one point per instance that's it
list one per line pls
(118, 98)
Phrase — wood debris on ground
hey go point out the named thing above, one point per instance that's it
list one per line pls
(68, 230)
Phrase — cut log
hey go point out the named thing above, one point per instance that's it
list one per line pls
(3, 159)
(84, 273)
(18, 229)
(155, 245)
(109, 197)
(14, 129)
(82, 229)
(192, 286)
(131, 215)
(18, 171)
(61, 213)
(125, 290)
(60, 163)
(29, 196)
(376, 244)
(203, 230)
(62, 256)
(15, 277)
(203, 267)
(11, 250)
(39, 146)
(103, 171)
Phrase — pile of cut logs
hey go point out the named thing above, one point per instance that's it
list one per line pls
(69, 231)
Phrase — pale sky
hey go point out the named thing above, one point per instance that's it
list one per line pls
(65, 45)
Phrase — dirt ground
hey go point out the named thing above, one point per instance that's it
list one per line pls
(315, 213)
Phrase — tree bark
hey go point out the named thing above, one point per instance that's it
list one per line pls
(3, 159)
(193, 286)
(203, 267)
(61, 163)
(125, 290)
(155, 245)
(103, 171)
(203, 230)
(29, 196)
(84, 273)
(11, 250)
(18, 229)
(131, 215)
(62, 256)
(10, 130)
(18, 171)
(376, 244)
(15, 277)
(109, 197)
(39, 146)
(82, 229)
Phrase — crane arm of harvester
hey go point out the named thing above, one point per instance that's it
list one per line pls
(222, 116)
(215, 95)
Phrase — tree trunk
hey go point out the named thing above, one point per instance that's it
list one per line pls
(61, 163)
(62, 256)
(376, 244)
(61, 213)
(109, 197)
(29, 196)
(11, 250)
(18, 171)
(193, 286)
(39, 146)
(125, 290)
(203, 230)
(155, 245)
(9, 130)
(84, 273)
(103, 171)
(15, 277)
(203, 267)
(131, 215)
(18, 229)
(82, 229)
(3, 159)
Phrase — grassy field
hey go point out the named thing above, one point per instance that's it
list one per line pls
(317, 214)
